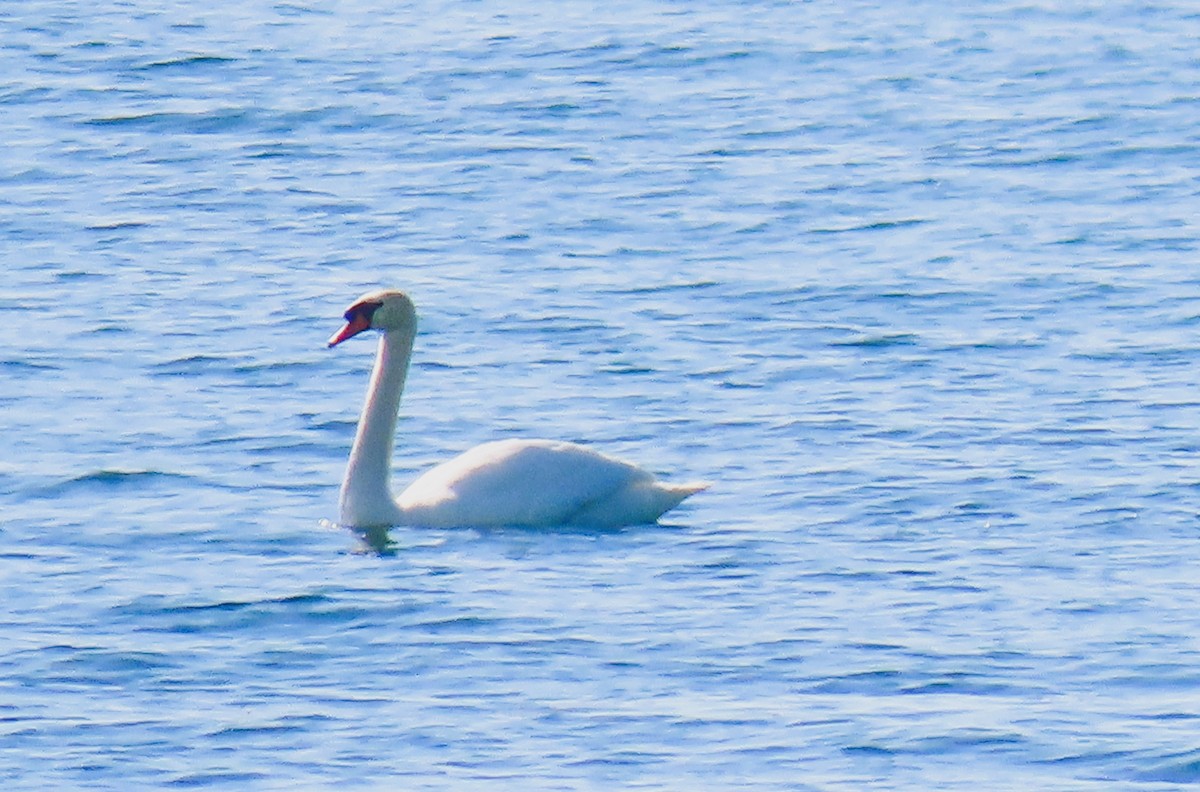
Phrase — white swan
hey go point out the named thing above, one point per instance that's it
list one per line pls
(535, 483)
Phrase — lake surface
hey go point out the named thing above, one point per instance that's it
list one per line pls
(915, 286)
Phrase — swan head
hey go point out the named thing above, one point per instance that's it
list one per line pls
(388, 310)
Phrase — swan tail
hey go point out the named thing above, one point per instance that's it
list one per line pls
(660, 498)
(639, 504)
(674, 494)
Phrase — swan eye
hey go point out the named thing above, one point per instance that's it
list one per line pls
(365, 310)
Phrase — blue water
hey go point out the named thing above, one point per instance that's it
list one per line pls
(915, 285)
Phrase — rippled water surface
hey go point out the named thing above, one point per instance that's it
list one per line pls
(914, 285)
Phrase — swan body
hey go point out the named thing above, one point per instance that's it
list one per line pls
(533, 483)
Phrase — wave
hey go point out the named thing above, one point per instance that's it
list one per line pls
(187, 62)
(222, 119)
(110, 479)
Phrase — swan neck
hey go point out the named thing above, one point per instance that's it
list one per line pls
(366, 488)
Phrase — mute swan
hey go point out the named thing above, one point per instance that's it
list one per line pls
(534, 483)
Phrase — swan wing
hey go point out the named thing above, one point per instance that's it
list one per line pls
(526, 482)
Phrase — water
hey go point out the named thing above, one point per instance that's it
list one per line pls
(914, 285)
